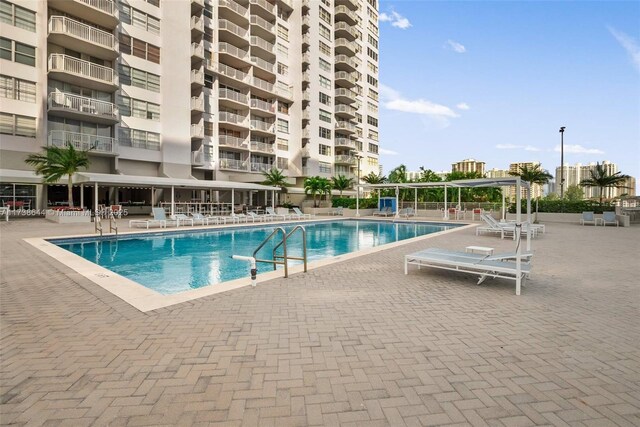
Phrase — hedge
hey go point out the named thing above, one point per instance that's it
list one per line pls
(350, 203)
(565, 206)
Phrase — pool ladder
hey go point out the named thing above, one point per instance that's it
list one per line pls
(97, 224)
(285, 257)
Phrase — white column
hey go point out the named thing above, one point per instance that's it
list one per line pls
(265, 198)
(153, 196)
(415, 201)
(357, 201)
(233, 201)
(459, 198)
(95, 198)
(504, 212)
(517, 237)
(173, 200)
(82, 196)
(446, 209)
(397, 203)
(529, 218)
(273, 199)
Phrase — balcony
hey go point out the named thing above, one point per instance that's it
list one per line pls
(82, 108)
(235, 56)
(284, 93)
(233, 120)
(262, 25)
(343, 13)
(306, 23)
(201, 158)
(197, 131)
(305, 171)
(262, 84)
(344, 143)
(197, 78)
(306, 42)
(305, 77)
(346, 63)
(344, 126)
(101, 12)
(306, 134)
(345, 111)
(102, 145)
(261, 63)
(351, 4)
(230, 72)
(306, 59)
(343, 159)
(263, 8)
(197, 25)
(228, 141)
(346, 96)
(262, 147)
(305, 115)
(306, 97)
(344, 46)
(344, 30)
(232, 32)
(233, 164)
(261, 167)
(197, 51)
(233, 98)
(259, 44)
(78, 72)
(345, 79)
(305, 152)
(197, 104)
(197, 6)
(259, 104)
(262, 126)
(226, 6)
(82, 37)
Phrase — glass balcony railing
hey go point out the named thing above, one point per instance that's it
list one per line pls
(228, 71)
(262, 44)
(70, 27)
(197, 103)
(197, 49)
(197, 24)
(106, 6)
(83, 142)
(82, 104)
(345, 159)
(264, 4)
(262, 84)
(344, 142)
(197, 77)
(345, 126)
(197, 131)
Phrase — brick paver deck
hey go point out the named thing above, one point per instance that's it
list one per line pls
(355, 343)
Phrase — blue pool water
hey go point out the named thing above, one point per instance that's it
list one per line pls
(175, 262)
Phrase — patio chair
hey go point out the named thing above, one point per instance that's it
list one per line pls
(300, 215)
(588, 218)
(116, 211)
(491, 266)
(337, 211)
(536, 228)
(182, 219)
(503, 228)
(159, 220)
(407, 212)
(385, 211)
(272, 213)
(204, 220)
(238, 217)
(255, 217)
(609, 218)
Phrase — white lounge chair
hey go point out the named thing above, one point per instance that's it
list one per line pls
(337, 211)
(300, 215)
(255, 217)
(385, 211)
(159, 220)
(505, 228)
(204, 220)
(491, 266)
(608, 218)
(182, 219)
(272, 213)
(407, 212)
(588, 218)
(536, 228)
(238, 217)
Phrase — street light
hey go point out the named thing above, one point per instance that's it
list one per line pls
(562, 162)
(359, 157)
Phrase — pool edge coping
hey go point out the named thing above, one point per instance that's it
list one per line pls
(146, 300)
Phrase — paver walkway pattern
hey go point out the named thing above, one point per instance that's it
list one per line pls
(354, 343)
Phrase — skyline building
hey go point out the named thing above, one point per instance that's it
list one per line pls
(212, 90)
(469, 165)
(578, 172)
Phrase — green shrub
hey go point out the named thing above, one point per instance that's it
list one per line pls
(350, 203)
(564, 206)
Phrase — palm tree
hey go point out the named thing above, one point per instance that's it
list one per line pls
(373, 178)
(602, 179)
(325, 187)
(533, 175)
(341, 183)
(275, 178)
(56, 162)
(313, 186)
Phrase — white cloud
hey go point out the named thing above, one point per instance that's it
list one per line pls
(516, 147)
(395, 19)
(629, 44)
(578, 149)
(455, 46)
(393, 100)
(387, 152)
(462, 106)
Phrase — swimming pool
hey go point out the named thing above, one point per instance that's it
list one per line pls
(174, 262)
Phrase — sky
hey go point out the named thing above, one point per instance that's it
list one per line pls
(495, 80)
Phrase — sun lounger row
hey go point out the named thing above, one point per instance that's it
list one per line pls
(507, 228)
(161, 220)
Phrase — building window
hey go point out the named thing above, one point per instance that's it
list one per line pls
(372, 121)
(283, 126)
(283, 69)
(135, 138)
(282, 144)
(325, 150)
(283, 50)
(283, 107)
(372, 80)
(17, 52)
(373, 107)
(138, 78)
(324, 65)
(324, 48)
(373, 148)
(21, 90)
(324, 133)
(359, 117)
(373, 3)
(324, 167)
(131, 16)
(325, 32)
(282, 163)
(325, 15)
(325, 82)
(283, 32)
(324, 99)
(373, 94)
(372, 67)
(372, 54)
(325, 116)
(372, 161)
(137, 108)
(372, 14)
(17, 16)
(373, 135)
(373, 28)
(372, 41)
(139, 48)
(13, 124)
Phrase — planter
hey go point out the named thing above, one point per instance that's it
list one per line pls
(67, 216)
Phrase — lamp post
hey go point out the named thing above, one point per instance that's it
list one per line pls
(562, 162)
(359, 157)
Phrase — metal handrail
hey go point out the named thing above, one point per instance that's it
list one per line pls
(97, 223)
(284, 242)
(113, 225)
(284, 246)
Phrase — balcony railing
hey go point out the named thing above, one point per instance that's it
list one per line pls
(346, 44)
(233, 164)
(284, 92)
(343, 26)
(233, 141)
(233, 96)
(197, 103)
(82, 141)
(306, 58)
(227, 25)
(344, 10)
(228, 71)
(201, 157)
(69, 64)
(263, 126)
(263, 84)
(263, 105)
(343, 75)
(345, 142)
(261, 167)
(232, 50)
(262, 63)
(197, 77)
(305, 76)
(82, 104)
(198, 2)
(345, 109)
(344, 125)
(346, 93)
(197, 24)
(345, 159)
(351, 61)
(306, 115)
(107, 6)
(263, 4)
(260, 22)
(262, 43)
(197, 49)
(262, 147)
(225, 116)
(306, 134)
(197, 131)
(64, 25)
(230, 4)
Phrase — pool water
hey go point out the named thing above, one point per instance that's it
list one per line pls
(174, 262)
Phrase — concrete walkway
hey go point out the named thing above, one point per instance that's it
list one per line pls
(355, 343)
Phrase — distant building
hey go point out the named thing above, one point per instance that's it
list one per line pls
(536, 189)
(497, 173)
(468, 165)
(574, 174)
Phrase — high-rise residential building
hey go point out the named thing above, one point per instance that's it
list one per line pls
(574, 174)
(469, 165)
(536, 189)
(212, 90)
(497, 173)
